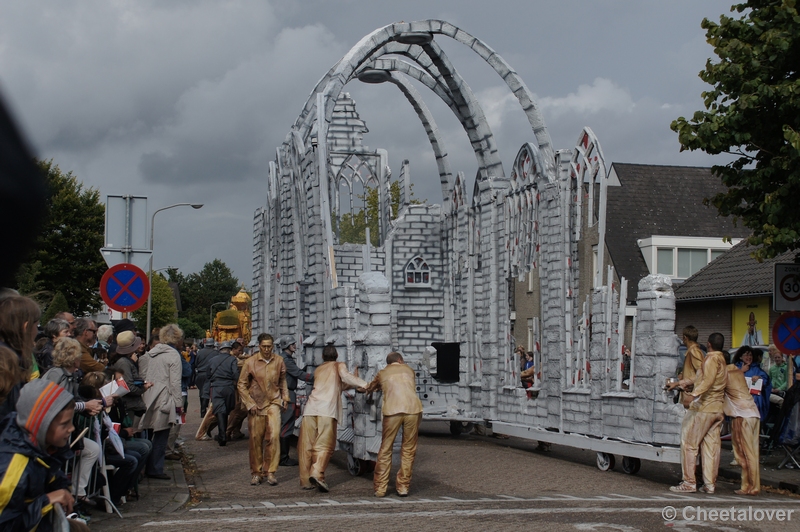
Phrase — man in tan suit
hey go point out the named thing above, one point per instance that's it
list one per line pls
(321, 416)
(745, 422)
(262, 388)
(401, 408)
(707, 392)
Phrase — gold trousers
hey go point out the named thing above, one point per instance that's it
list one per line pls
(744, 436)
(207, 424)
(265, 440)
(235, 420)
(383, 465)
(701, 435)
(686, 424)
(315, 447)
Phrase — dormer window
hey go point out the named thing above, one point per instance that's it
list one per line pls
(418, 273)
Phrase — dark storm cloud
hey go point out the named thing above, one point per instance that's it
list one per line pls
(187, 101)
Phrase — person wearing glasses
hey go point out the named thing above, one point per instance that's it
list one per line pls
(86, 335)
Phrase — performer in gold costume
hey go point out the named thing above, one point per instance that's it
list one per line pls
(745, 423)
(692, 362)
(262, 388)
(401, 408)
(708, 390)
(321, 416)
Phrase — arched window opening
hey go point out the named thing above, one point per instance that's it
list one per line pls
(418, 273)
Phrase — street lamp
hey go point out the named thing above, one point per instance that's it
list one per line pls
(150, 273)
(211, 314)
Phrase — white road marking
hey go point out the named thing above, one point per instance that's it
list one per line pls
(499, 499)
(400, 515)
(606, 526)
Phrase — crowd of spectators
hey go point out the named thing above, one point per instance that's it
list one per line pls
(133, 432)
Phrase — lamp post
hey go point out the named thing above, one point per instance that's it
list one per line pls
(150, 273)
(211, 314)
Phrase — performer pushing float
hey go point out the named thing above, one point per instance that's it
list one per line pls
(401, 408)
(702, 428)
(321, 416)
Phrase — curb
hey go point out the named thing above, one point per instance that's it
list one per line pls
(733, 474)
(181, 494)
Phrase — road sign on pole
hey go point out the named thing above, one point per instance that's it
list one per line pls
(125, 287)
(786, 333)
(126, 231)
(786, 292)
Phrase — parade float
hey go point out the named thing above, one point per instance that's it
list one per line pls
(437, 286)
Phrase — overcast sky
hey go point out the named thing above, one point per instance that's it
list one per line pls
(186, 101)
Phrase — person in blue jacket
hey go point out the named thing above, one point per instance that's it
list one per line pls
(34, 446)
(748, 359)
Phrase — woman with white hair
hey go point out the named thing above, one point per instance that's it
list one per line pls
(162, 367)
(104, 333)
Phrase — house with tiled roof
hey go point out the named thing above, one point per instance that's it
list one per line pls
(655, 223)
(722, 296)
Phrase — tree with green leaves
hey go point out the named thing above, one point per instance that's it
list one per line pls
(191, 329)
(212, 284)
(163, 307)
(66, 256)
(753, 112)
(352, 225)
(58, 304)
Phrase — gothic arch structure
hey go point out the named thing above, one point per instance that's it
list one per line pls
(441, 274)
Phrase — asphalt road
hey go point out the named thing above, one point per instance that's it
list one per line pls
(466, 483)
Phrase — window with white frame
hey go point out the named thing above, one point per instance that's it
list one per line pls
(418, 273)
(681, 257)
(665, 260)
(691, 261)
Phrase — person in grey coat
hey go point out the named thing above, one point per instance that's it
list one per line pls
(162, 366)
(201, 365)
(224, 376)
(288, 346)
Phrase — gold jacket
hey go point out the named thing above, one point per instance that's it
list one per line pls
(262, 382)
(399, 389)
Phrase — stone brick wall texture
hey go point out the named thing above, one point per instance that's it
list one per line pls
(304, 284)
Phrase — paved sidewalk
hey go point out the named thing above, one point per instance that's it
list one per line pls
(784, 479)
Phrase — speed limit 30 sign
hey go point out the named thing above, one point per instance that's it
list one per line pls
(786, 294)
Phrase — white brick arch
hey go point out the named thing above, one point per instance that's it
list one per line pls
(375, 44)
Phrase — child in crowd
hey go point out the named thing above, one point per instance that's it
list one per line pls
(33, 450)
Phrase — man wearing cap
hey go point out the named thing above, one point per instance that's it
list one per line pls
(201, 365)
(223, 375)
(209, 420)
(239, 414)
(293, 374)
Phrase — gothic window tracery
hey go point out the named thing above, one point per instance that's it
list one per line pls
(418, 273)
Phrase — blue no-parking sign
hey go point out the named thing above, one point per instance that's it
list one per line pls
(125, 287)
(786, 333)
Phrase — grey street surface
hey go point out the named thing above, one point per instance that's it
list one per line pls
(470, 483)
